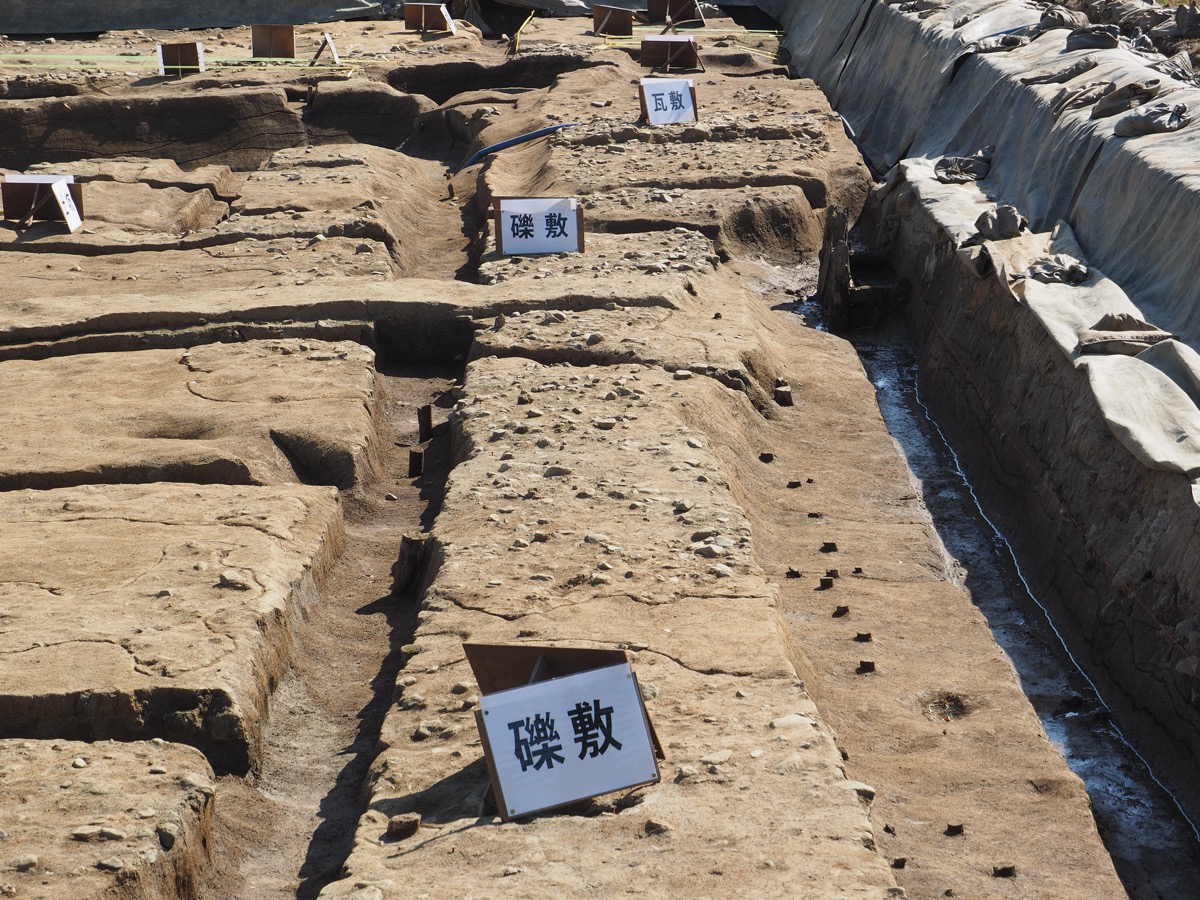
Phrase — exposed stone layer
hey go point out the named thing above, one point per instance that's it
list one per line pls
(103, 819)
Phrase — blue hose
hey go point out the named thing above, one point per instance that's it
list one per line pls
(512, 142)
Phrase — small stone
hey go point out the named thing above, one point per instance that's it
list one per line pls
(25, 863)
(233, 579)
(557, 471)
(682, 374)
(656, 827)
(790, 721)
(605, 424)
(460, 687)
(79, 763)
(403, 826)
(681, 506)
(720, 570)
(111, 864)
(717, 758)
(158, 770)
(390, 497)
(86, 833)
(112, 834)
(194, 781)
(511, 870)
(168, 834)
(593, 338)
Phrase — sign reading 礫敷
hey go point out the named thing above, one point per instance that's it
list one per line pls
(555, 742)
(538, 225)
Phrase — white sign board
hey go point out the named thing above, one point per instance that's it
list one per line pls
(668, 101)
(558, 741)
(17, 178)
(62, 195)
(539, 225)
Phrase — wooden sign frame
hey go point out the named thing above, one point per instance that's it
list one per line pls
(29, 198)
(612, 20)
(428, 17)
(642, 98)
(496, 222)
(677, 11)
(179, 60)
(273, 41)
(670, 51)
(326, 41)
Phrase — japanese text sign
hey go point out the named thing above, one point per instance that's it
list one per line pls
(555, 742)
(539, 225)
(667, 101)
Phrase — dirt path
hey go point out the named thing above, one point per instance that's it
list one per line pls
(286, 832)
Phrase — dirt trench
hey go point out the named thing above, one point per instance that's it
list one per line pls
(339, 754)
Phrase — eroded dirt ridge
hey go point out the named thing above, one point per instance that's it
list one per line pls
(212, 686)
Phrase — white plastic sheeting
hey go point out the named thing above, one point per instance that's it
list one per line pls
(1134, 203)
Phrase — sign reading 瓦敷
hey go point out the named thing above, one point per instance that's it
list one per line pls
(559, 741)
(668, 101)
(539, 225)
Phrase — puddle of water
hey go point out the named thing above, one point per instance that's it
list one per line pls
(1155, 849)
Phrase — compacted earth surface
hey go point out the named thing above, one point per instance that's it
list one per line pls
(286, 430)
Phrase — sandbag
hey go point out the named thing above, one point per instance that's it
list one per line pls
(964, 169)
(1094, 37)
(1126, 97)
(1072, 71)
(1057, 269)
(1120, 333)
(1157, 119)
(1187, 20)
(1060, 17)
(1001, 44)
(1082, 96)
(1001, 223)
(1179, 67)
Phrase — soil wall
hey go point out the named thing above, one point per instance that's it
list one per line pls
(1105, 539)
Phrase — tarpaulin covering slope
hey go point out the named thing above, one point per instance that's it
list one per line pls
(79, 16)
(1133, 202)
